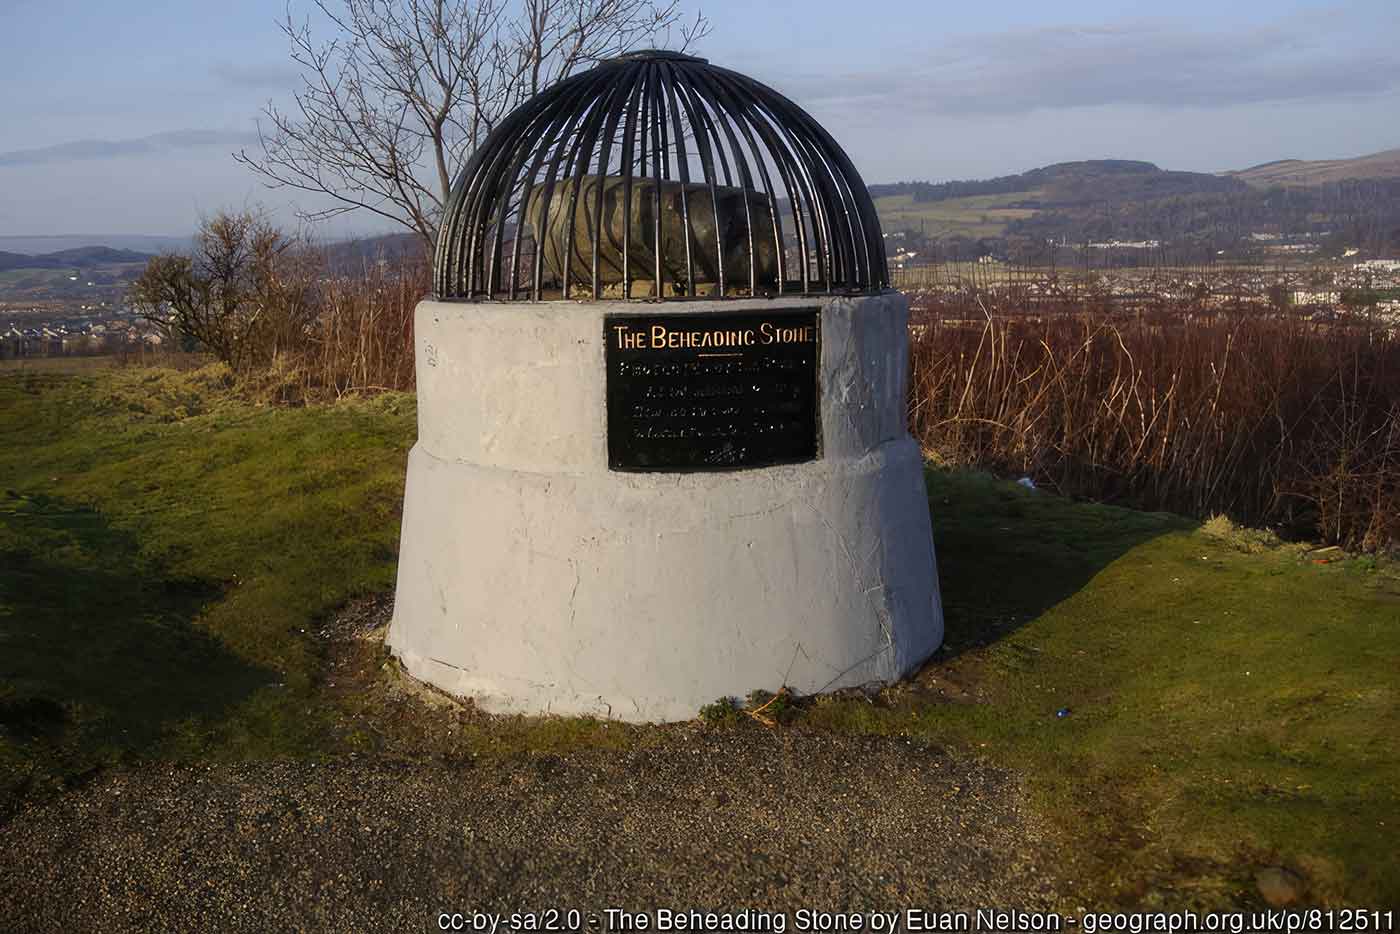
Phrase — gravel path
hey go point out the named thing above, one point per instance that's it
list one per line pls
(776, 820)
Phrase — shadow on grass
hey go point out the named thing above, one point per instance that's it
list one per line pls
(99, 656)
(1006, 554)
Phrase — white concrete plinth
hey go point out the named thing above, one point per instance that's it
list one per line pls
(534, 579)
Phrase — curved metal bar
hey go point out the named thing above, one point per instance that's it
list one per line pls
(847, 175)
(703, 81)
(458, 246)
(740, 110)
(683, 168)
(702, 140)
(546, 199)
(798, 197)
(656, 110)
(625, 86)
(564, 114)
(812, 191)
(586, 145)
(629, 129)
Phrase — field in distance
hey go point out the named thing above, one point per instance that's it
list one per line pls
(86, 277)
(973, 217)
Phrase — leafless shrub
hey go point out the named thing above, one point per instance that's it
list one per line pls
(242, 294)
(284, 314)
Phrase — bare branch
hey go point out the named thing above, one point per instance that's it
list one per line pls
(391, 106)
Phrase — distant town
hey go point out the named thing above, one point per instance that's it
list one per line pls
(113, 335)
(109, 326)
(71, 303)
(1316, 238)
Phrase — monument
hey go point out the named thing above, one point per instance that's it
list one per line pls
(662, 454)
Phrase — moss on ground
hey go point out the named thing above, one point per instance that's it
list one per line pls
(168, 552)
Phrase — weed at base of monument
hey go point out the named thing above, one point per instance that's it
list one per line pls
(762, 706)
(770, 709)
(723, 712)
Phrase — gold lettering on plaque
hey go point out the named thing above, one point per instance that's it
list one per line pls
(660, 337)
(776, 334)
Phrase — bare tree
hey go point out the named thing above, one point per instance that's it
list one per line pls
(391, 106)
(243, 294)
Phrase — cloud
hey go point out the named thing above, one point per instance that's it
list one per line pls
(110, 149)
(272, 75)
(1155, 65)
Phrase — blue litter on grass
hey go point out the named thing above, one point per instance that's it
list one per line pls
(1062, 712)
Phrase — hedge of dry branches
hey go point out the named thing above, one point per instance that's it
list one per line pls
(354, 335)
(1273, 420)
(362, 336)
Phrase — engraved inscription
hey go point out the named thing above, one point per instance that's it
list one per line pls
(712, 391)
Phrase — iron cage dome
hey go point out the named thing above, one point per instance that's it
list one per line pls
(657, 175)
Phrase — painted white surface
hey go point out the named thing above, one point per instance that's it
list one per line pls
(534, 579)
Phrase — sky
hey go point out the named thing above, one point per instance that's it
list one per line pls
(120, 117)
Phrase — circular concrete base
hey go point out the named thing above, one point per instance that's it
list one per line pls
(535, 579)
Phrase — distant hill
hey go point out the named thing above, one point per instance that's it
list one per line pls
(1070, 182)
(1297, 173)
(54, 243)
(1051, 201)
(86, 257)
(343, 256)
(94, 256)
(349, 257)
(1332, 206)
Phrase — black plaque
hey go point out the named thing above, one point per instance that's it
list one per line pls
(712, 391)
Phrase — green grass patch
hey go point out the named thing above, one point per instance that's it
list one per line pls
(1231, 704)
(164, 549)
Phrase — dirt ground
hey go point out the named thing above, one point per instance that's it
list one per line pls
(718, 820)
(694, 817)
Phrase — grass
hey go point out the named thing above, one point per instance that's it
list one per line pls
(73, 364)
(169, 555)
(1232, 704)
(164, 548)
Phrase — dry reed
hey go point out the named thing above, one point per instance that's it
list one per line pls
(1272, 419)
(362, 337)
